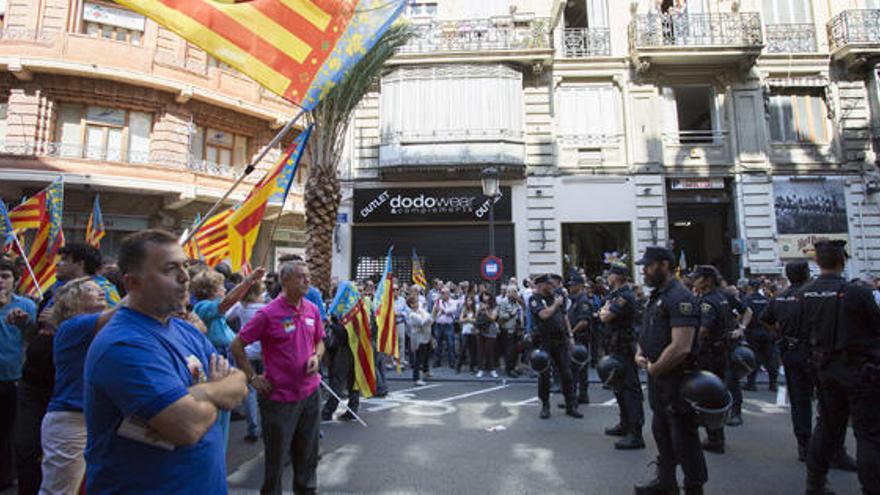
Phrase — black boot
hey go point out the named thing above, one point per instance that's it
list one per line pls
(545, 411)
(618, 430)
(693, 490)
(632, 441)
(817, 485)
(842, 461)
(715, 442)
(583, 398)
(572, 411)
(736, 418)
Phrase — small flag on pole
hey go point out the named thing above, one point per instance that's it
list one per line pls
(7, 233)
(418, 272)
(352, 313)
(95, 226)
(386, 320)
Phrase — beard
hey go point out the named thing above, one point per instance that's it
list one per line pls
(655, 279)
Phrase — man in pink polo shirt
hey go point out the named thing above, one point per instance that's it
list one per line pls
(291, 333)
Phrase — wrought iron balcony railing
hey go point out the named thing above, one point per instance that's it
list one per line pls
(854, 26)
(449, 136)
(689, 138)
(586, 42)
(729, 29)
(791, 38)
(478, 35)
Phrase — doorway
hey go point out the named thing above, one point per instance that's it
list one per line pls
(701, 234)
(584, 245)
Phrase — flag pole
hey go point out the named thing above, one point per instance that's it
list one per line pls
(27, 263)
(247, 171)
(353, 414)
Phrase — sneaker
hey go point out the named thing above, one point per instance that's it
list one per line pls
(545, 411)
(420, 383)
(716, 447)
(617, 430)
(348, 416)
(844, 462)
(251, 438)
(494, 374)
(480, 374)
(574, 413)
(735, 420)
(631, 441)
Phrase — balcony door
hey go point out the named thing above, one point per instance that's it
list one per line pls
(691, 115)
(788, 11)
(586, 14)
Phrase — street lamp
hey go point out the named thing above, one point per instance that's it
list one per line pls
(490, 179)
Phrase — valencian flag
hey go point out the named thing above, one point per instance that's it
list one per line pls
(418, 273)
(244, 223)
(7, 233)
(191, 248)
(212, 239)
(298, 49)
(95, 226)
(386, 321)
(43, 255)
(349, 308)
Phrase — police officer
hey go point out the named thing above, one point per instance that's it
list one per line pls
(667, 348)
(618, 314)
(551, 329)
(580, 313)
(716, 324)
(782, 316)
(761, 340)
(843, 324)
(741, 315)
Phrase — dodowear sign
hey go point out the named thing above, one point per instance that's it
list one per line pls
(491, 268)
(428, 205)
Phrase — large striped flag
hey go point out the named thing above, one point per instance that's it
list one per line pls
(95, 226)
(418, 272)
(386, 320)
(29, 214)
(298, 49)
(244, 223)
(191, 248)
(43, 255)
(212, 238)
(349, 308)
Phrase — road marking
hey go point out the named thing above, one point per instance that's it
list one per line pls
(240, 475)
(612, 402)
(763, 408)
(471, 394)
(414, 389)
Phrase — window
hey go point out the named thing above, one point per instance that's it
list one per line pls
(103, 21)
(219, 149)
(589, 112)
(691, 114)
(787, 12)
(4, 107)
(101, 133)
(586, 14)
(417, 8)
(798, 116)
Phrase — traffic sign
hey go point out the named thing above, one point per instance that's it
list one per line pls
(491, 268)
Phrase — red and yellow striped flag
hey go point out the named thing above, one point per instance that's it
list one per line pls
(212, 238)
(386, 319)
(352, 313)
(297, 49)
(43, 255)
(29, 214)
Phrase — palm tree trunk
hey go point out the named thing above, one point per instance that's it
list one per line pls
(322, 198)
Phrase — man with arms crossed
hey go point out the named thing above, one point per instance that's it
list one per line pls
(153, 386)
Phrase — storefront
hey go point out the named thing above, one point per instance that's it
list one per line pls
(448, 228)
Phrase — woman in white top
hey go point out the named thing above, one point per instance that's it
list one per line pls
(420, 322)
(244, 310)
(468, 318)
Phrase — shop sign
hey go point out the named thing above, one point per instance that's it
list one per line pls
(428, 205)
(110, 16)
(698, 183)
(801, 246)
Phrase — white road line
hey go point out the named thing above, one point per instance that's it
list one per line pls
(612, 402)
(471, 394)
(415, 389)
(527, 402)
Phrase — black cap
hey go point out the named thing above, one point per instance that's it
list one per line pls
(556, 278)
(621, 270)
(754, 282)
(837, 245)
(656, 253)
(575, 280)
(706, 271)
(542, 279)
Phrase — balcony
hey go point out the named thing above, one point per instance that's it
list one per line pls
(696, 39)
(497, 38)
(684, 150)
(590, 151)
(586, 42)
(791, 38)
(854, 36)
(460, 152)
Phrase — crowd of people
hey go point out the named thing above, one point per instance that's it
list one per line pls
(142, 362)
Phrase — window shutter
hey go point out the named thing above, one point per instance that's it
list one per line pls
(70, 130)
(139, 125)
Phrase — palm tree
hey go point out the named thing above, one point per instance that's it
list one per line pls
(331, 118)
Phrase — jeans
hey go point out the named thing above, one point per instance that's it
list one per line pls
(291, 428)
(507, 344)
(379, 364)
(251, 411)
(445, 335)
(468, 348)
(486, 346)
(420, 364)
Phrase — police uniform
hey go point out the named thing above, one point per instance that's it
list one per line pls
(717, 318)
(674, 424)
(761, 340)
(553, 337)
(800, 377)
(737, 309)
(580, 309)
(620, 342)
(842, 321)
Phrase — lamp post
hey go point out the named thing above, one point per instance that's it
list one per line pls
(490, 180)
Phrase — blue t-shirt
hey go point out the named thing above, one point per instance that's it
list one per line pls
(11, 338)
(137, 367)
(69, 347)
(111, 294)
(314, 296)
(219, 332)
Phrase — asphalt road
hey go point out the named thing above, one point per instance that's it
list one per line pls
(486, 438)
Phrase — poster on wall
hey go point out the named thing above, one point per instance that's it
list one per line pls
(807, 212)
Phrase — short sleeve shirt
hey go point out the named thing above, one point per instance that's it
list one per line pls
(715, 315)
(11, 338)
(784, 310)
(219, 332)
(136, 367)
(668, 307)
(580, 310)
(288, 336)
(622, 303)
(553, 326)
(70, 344)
